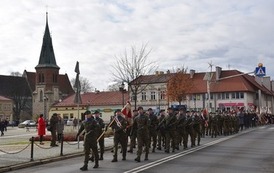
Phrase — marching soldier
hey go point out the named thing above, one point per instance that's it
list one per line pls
(90, 129)
(181, 127)
(161, 131)
(197, 128)
(140, 125)
(101, 141)
(133, 134)
(170, 123)
(120, 136)
(189, 130)
(214, 125)
(152, 129)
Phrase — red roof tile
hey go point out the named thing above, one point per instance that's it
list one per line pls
(96, 99)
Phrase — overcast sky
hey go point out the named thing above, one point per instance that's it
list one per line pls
(232, 34)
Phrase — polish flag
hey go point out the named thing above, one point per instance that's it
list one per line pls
(127, 110)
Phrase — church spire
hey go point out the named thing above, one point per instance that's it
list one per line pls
(47, 57)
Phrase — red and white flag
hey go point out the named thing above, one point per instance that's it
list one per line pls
(127, 110)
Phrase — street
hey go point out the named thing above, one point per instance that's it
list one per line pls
(248, 151)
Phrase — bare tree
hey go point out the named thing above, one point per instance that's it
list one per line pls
(130, 66)
(85, 84)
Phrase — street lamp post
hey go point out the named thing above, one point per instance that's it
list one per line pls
(45, 106)
(122, 89)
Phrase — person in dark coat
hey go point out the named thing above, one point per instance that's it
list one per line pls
(53, 127)
(90, 129)
(2, 127)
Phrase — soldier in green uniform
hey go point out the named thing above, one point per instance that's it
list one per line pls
(152, 129)
(170, 123)
(90, 129)
(101, 141)
(214, 125)
(181, 127)
(132, 134)
(120, 136)
(197, 128)
(160, 131)
(140, 126)
(189, 130)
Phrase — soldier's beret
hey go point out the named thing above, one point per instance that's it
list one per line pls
(96, 112)
(149, 109)
(87, 113)
(140, 108)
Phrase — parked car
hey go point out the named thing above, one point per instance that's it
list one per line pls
(70, 122)
(30, 123)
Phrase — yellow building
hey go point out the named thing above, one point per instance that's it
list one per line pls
(105, 102)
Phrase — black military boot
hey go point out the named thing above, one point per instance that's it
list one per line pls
(146, 156)
(91, 158)
(84, 168)
(101, 157)
(96, 164)
(114, 159)
(137, 159)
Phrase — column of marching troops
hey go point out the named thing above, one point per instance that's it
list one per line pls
(166, 131)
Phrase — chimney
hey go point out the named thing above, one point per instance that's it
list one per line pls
(156, 72)
(168, 71)
(218, 72)
(191, 72)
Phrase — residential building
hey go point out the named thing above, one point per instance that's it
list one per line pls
(6, 106)
(221, 89)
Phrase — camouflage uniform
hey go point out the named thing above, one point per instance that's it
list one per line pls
(161, 132)
(170, 123)
(132, 134)
(189, 130)
(197, 128)
(101, 141)
(152, 130)
(140, 125)
(90, 128)
(181, 128)
(214, 125)
(120, 136)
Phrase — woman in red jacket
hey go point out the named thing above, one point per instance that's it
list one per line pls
(41, 128)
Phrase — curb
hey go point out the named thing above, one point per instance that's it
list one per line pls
(43, 161)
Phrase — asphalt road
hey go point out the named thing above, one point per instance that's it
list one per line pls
(249, 151)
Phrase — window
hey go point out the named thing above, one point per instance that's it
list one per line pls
(152, 95)
(54, 78)
(163, 95)
(133, 98)
(237, 95)
(41, 78)
(223, 96)
(41, 96)
(144, 96)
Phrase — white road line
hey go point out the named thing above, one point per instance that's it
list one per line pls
(183, 153)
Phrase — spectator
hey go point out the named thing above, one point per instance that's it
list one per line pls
(2, 127)
(60, 128)
(75, 122)
(41, 127)
(53, 127)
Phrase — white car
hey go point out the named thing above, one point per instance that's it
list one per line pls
(70, 122)
(30, 123)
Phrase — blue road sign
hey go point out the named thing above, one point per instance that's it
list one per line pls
(260, 71)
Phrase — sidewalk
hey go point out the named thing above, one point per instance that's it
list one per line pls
(19, 156)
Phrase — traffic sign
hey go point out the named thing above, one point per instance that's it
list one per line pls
(260, 71)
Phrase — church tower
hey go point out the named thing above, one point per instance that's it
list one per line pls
(46, 79)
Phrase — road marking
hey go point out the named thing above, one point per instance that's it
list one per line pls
(183, 153)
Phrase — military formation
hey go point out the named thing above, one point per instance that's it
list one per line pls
(169, 130)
